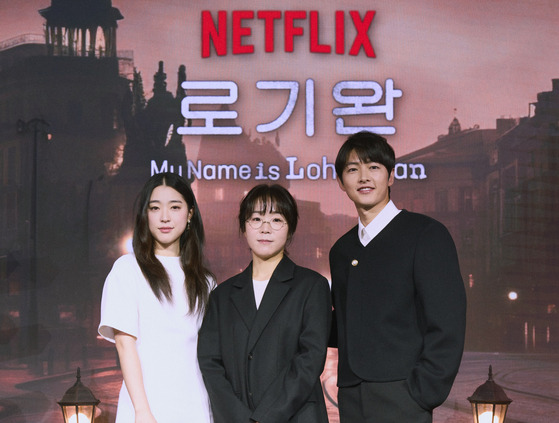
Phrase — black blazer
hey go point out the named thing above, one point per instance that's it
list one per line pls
(400, 307)
(264, 365)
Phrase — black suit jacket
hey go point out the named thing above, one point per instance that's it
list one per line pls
(264, 365)
(400, 307)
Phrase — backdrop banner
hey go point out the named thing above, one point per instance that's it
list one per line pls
(97, 96)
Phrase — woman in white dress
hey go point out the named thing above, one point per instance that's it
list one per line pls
(153, 304)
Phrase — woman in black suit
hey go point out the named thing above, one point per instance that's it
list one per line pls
(263, 341)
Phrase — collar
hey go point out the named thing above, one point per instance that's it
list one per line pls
(283, 272)
(367, 233)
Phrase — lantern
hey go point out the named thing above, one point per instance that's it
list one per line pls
(78, 403)
(489, 402)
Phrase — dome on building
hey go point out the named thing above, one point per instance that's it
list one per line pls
(454, 127)
(81, 13)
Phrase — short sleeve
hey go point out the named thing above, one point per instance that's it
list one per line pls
(119, 303)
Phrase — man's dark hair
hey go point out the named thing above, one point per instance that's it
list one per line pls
(369, 147)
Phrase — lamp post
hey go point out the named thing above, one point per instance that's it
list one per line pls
(78, 403)
(489, 402)
(38, 126)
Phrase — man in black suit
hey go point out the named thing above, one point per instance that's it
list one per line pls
(398, 297)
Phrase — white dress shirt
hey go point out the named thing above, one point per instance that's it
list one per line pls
(367, 233)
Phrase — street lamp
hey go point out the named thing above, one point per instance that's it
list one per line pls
(38, 126)
(78, 403)
(489, 402)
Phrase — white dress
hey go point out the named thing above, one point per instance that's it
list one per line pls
(167, 338)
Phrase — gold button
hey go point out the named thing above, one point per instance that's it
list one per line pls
(354, 263)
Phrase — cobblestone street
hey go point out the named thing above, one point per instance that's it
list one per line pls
(530, 380)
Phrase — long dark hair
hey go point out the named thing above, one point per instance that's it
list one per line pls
(196, 275)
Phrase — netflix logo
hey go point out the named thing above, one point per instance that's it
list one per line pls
(247, 31)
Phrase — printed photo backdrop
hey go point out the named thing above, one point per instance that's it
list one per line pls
(231, 94)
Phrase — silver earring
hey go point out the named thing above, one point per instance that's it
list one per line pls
(188, 225)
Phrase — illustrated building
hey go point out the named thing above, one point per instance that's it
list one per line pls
(524, 188)
(496, 191)
(55, 86)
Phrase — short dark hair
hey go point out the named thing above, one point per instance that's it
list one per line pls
(262, 196)
(369, 147)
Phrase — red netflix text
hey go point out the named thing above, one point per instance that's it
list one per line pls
(236, 31)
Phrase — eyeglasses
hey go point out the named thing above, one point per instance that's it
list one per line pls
(276, 223)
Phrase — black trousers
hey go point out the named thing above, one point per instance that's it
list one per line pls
(380, 402)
